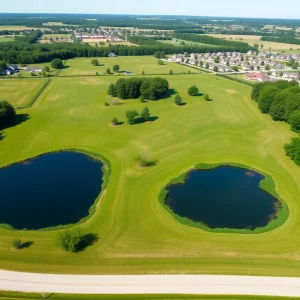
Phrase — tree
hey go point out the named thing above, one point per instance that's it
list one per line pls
(267, 68)
(7, 114)
(206, 97)
(160, 62)
(46, 69)
(116, 68)
(114, 121)
(2, 65)
(111, 90)
(68, 240)
(201, 64)
(262, 46)
(266, 97)
(256, 46)
(216, 69)
(207, 66)
(145, 114)
(170, 72)
(294, 120)
(216, 60)
(57, 63)
(277, 112)
(17, 244)
(193, 91)
(154, 88)
(293, 150)
(142, 99)
(95, 62)
(131, 115)
(178, 100)
(108, 71)
(235, 68)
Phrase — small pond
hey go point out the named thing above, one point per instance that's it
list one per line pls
(49, 190)
(224, 197)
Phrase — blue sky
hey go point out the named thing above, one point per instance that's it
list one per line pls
(236, 8)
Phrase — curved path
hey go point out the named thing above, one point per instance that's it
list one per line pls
(149, 284)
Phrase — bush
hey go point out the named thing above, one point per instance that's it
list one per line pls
(57, 63)
(178, 100)
(108, 71)
(142, 99)
(68, 240)
(193, 91)
(160, 62)
(17, 244)
(95, 62)
(111, 90)
(207, 98)
(116, 68)
(7, 114)
(114, 121)
(131, 115)
(170, 72)
(145, 114)
(46, 69)
(106, 103)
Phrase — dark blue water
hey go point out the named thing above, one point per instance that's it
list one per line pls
(225, 197)
(50, 190)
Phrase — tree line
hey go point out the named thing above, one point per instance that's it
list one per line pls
(148, 88)
(284, 40)
(281, 100)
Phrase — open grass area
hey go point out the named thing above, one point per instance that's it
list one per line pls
(6, 39)
(176, 42)
(90, 42)
(136, 233)
(32, 296)
(134, 64)
(46, 38)
(254, 39)
(19, 28)
(19, 91)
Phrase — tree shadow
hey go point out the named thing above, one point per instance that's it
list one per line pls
(120, 123)
(26, 245)
(86, 241)
(141, 120)
(65, 67)
(182, 104)
(1, 136)
(171, 92)
(199, 95)
(19, 119)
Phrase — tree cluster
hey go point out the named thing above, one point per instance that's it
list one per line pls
(159, 54)
(293, 150)
(150, 88)
(7, 114)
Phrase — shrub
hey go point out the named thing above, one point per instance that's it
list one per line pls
(108, 71)
(142, 99)
(111, 90)
(160, 62)
(178, 100)
(106, 103)
(57, 63)
(170, 72)
(207, 98)
(145, 114)
(17, 244)
(68, 240)
(114, 121)
(95, 62)
(193, 91)
(116, 68)
(46, 69)
(131, 115)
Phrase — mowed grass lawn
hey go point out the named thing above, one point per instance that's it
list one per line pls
(254, 39)
(136, 233)
(19, 91)
(134, 64)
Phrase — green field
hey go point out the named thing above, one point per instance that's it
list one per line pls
(6, 39)
(176, 42)
(16, 296)
(136, 233)
(134, 64)
(19, 92)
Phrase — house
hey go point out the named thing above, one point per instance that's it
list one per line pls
(34, 69)
(112, 55)
(277, 73)
(10, 70)
(128, 73)
(260, 77)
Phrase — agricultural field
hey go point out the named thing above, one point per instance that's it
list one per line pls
(19, 92)
(19, 28)
(133, 64)
(46, 38)
(114, 43)
(254, 39)
(136, 233)
(176, 42)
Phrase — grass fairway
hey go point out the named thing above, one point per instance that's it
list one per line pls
(136, 234)
(16, 296)
(19, 92)
(134, 64)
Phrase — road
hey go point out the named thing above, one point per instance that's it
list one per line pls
(150, 284)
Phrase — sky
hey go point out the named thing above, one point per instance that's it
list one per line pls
(225, 8)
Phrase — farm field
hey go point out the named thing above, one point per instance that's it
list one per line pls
(19, 28)
(136, 234)
(19, 92)
(90, 42)
(46, 38)
(253, 39)
(176, 42)
(133, 64)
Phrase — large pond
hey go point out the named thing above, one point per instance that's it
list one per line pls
(49, 190)
(224, 197)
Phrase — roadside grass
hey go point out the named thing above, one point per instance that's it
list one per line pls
(254, 39)
(36, 296)
(134, 64)
(19, 92)
(136, 234)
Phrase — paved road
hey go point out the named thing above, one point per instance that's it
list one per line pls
(149, 284)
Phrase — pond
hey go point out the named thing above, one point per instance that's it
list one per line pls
(224, 197)
(49, 190)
